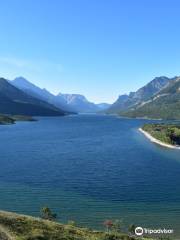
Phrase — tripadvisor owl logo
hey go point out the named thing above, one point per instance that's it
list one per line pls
(139, 231)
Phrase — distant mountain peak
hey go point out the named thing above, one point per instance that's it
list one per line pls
(72, 96)
(22, 82)
(21, 78)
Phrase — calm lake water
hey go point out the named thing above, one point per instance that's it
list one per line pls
(89, 168)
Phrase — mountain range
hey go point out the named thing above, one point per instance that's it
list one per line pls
(41, 94)
(159, 99)
(72, 103)
(80, 104)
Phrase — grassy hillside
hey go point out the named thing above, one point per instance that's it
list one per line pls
(20, 227)
(166, 107)
(169, 134)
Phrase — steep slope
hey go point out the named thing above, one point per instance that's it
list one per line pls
(121, 103)
(163, 105)
(30, 88)
(125, 102)
(15, 101)
(42, 94)
(21, 227)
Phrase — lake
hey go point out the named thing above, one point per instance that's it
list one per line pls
(89, 168)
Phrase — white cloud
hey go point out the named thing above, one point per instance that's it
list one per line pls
(30, 65)
(13, 61)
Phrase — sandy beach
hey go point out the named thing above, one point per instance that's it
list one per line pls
(152, 139)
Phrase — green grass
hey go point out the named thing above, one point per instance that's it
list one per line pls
(167, 107)
(21, 227)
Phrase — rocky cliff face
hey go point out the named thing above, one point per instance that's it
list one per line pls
(126, 102)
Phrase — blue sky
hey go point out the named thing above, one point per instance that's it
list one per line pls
(99, 48)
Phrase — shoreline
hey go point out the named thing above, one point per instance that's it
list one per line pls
(154, 140)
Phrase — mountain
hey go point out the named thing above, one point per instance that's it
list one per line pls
(163, 105)
(30, 88)
(67, 102)
(120, 104)
(15, 101)
(125, 102)
(103, 106)
(40, 93)
(79, 103)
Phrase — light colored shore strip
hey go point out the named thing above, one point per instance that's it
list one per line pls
(152, 139)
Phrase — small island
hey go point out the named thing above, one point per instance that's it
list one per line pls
(10, 119)
(167, 135)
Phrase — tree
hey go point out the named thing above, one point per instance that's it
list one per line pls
(115, 226)
(108, 224)
(47, 214)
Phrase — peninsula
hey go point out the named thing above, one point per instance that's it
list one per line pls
(10, 119)
(166, 135)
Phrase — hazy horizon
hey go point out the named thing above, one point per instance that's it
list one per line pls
(100, 49)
